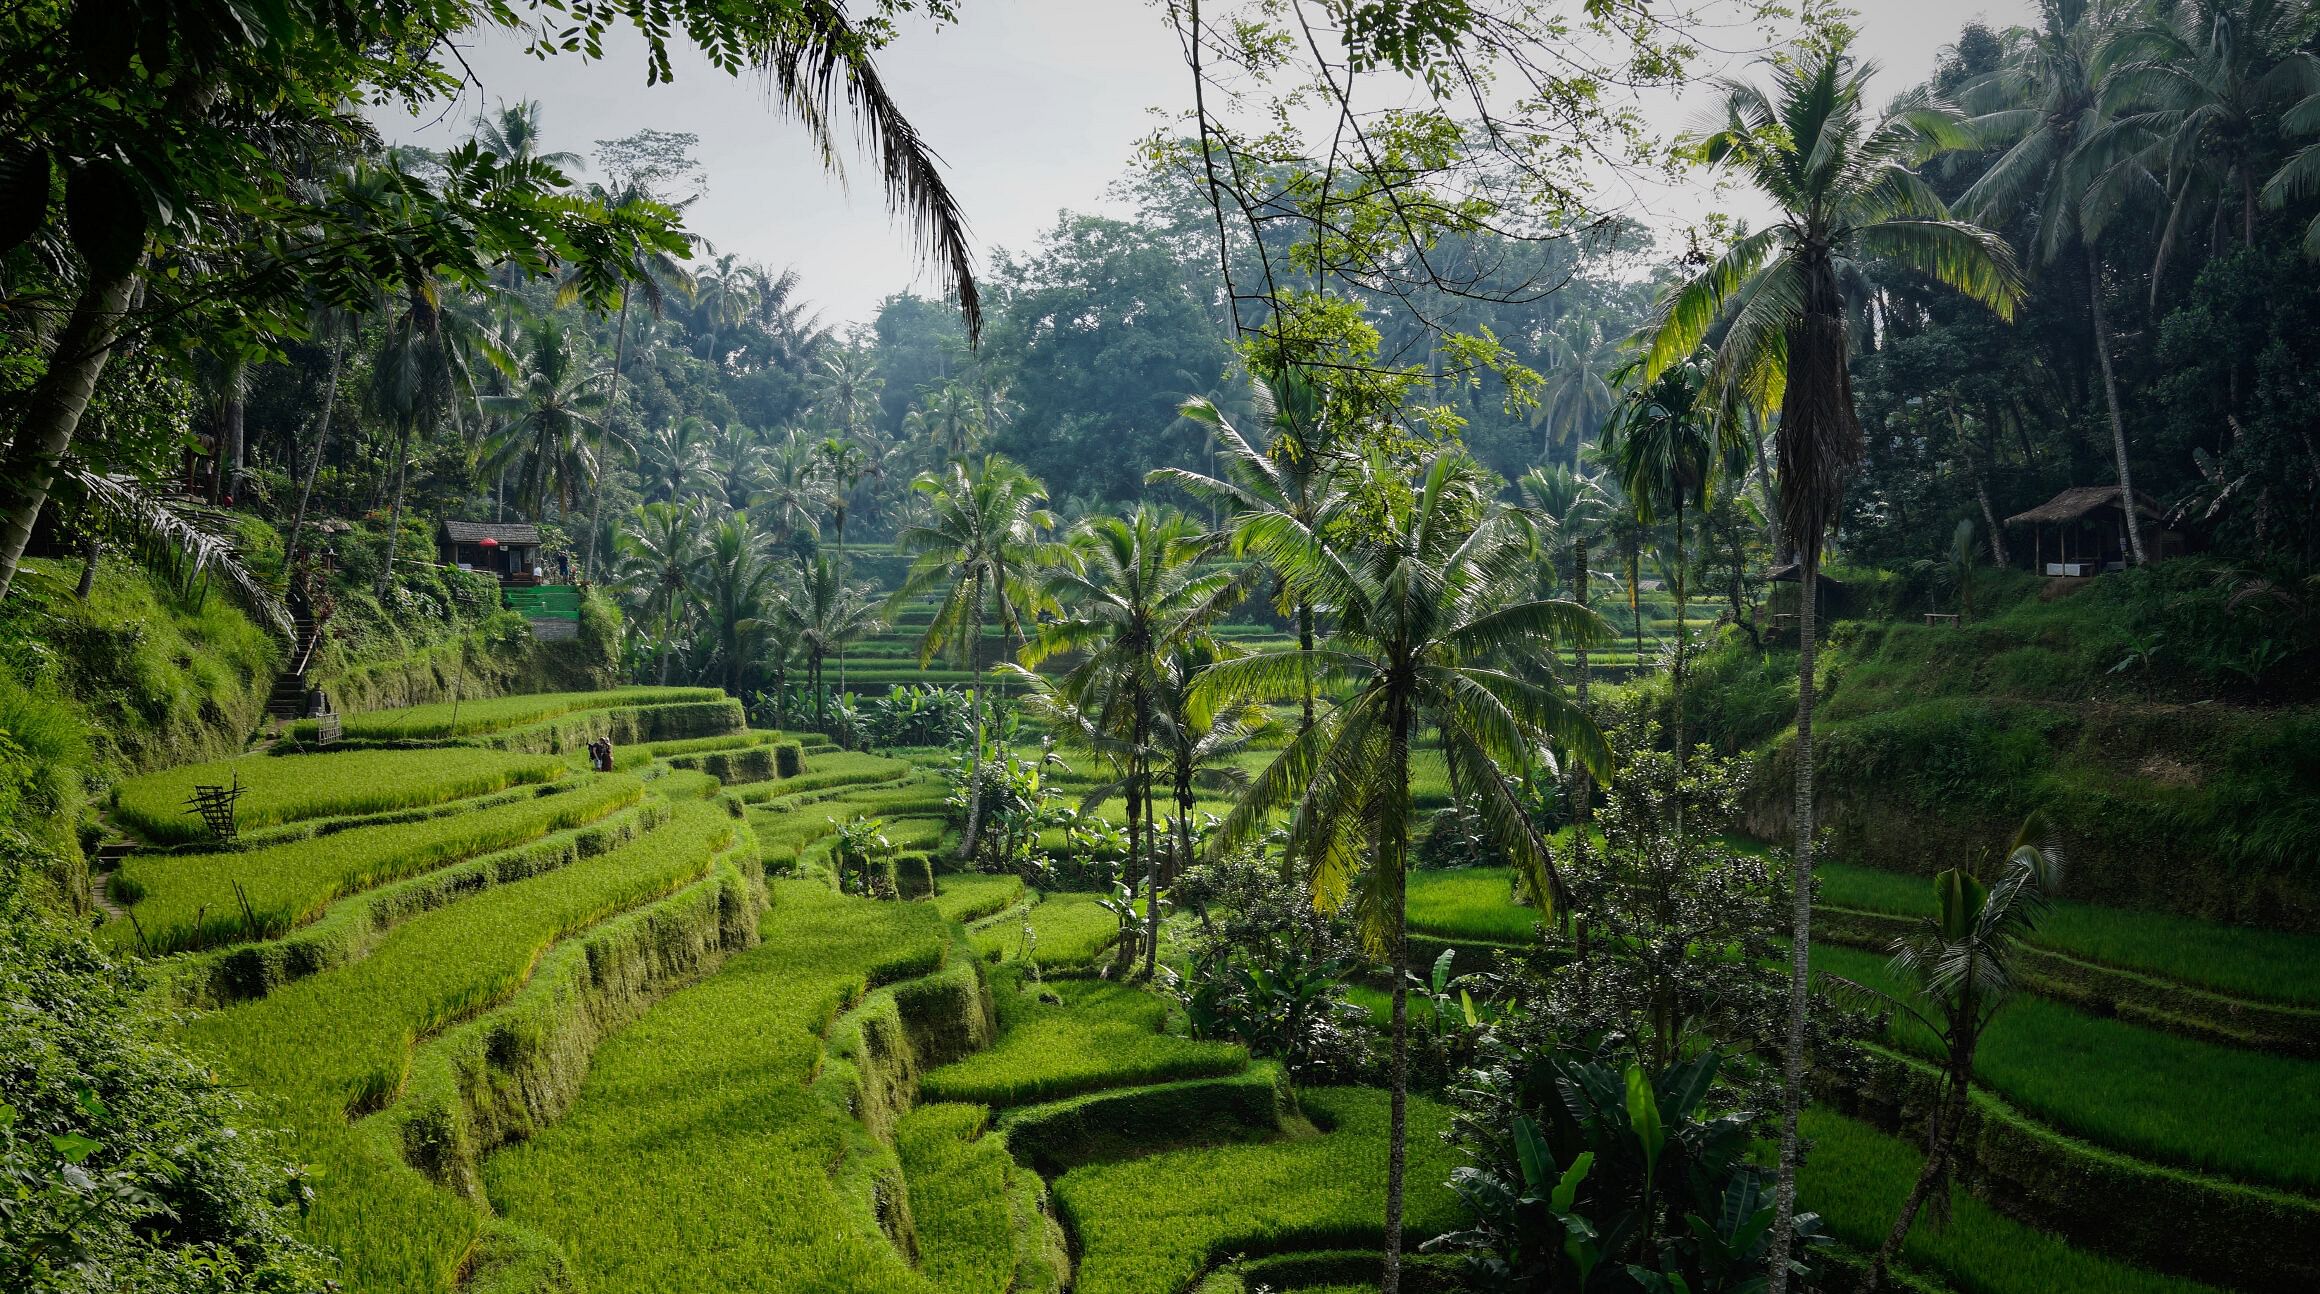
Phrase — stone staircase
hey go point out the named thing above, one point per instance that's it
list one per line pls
(288, 701)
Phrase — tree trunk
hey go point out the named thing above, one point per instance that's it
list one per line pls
(1152, 869)
(1305, 659)
(2102, 354)
(52, 412)
(395, 516)
(1585, 782)
(1981, 485)
(611, 413)
(232, 425)
(1676, 679)
(1800, 934)
(1948, 1121)
(91, 549)
(975, 756)
(314, 465)
(1393, 854)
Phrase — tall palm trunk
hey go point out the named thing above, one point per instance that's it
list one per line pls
(1800, 916)
(1585, 781)
(233, 424)
(52, 411)
(1305, 662)
(1973, 463)
(1394, 856)
(1676, 680)
(1153, 855)
(611, 412)
(2102, 354)
(1948, 1121)
(314, 465)
(975, 755)
(395, 516)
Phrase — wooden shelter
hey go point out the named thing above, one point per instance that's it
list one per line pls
(507, 549)
(2083, 531)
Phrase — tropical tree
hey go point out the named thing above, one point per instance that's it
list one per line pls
(1669, 445)
(423, 376)
(1133, 590)
(660, 560)
(1295, 479)
(1958, 967)
(642, 273)
(792, 488)
(737, 458)
(675, 462)
(823, 615)
(1580, 357)
(1843, 181)
(2045, 104)
(948, 419)
(846, 389)
(2299, 177)
(553, 431)
(740, 598)
(1567, 510)
(1428, 626)
(2196, 91)
(980, 543)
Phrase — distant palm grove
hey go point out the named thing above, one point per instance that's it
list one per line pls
(1373, 720)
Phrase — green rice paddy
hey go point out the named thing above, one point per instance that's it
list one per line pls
(277, 790)
(1097, 1035)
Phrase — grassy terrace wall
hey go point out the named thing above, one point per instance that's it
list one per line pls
(1934, 742)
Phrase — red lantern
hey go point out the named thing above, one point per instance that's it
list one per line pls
(490, 542)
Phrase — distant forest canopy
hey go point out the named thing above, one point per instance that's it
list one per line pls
(2168, 257)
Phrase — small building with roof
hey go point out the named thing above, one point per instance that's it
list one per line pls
(2083, 531)
(509, 550)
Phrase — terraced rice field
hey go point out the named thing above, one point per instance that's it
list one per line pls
(620, 1032)
(278, 791)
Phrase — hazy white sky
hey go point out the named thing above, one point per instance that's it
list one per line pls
(1036, 105)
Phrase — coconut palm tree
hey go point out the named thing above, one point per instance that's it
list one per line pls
(1567, 510)
(1669, 446)
(1580, 357)
(949, 419)
(675, 463)
(981, 543)
(846, 389)
(824, 614)
(792, 490)
(1431, 633)
(1197, 736)
(2299, 177)
(553, 421)
(737, 458)
(1843, 181)
(1959, 969)
(2044, 103)
(2195, 93)
(1133, 590)
(1298, 477)
(660, 558)
(740, 598)
(422, 377)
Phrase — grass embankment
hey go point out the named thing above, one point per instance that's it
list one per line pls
(978, 1213)
(191, 901)
(1096, 1035)
(447, 720)
(2138, 1090)
(2244, 961)
(1856, 1178)
(338, 1043)
(1069, 930)
(1157, 1222)
(699, 1156)
(971, 897)
(293, 788)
